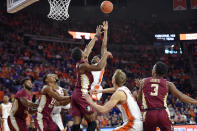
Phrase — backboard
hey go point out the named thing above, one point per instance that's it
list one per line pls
(15, 5)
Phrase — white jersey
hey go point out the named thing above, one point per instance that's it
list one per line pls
(131, 114)
(55, 114)
(96, 84)
(6, 108)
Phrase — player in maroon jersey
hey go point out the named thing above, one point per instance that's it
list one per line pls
(21, 106)
(153, 94)
(80, 107)
(47, 101)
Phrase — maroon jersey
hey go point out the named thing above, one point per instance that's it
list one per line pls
(46, 105)
(84, 81)
(155, 93)
(18, 110)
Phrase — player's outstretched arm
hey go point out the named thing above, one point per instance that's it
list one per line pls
(184, 98)
(27, 103)
(104, 43)
(48, 90)
(99, 66)
(107, 90)
(116, 97)
(91, 44)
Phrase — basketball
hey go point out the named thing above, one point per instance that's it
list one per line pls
(106, 7)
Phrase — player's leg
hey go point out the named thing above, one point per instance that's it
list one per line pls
(97, 125)
(76, 115)
(40, 123)
(5, 125)
(91, 119)
(58, 120)
(165, 123)
(150, 122)
(12, 123)
(76, 123)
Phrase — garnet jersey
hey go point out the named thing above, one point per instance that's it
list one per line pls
(154, 93)
(84, 81)
(18, 110)
(46, 104)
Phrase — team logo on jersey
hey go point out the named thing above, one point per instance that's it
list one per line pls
(88, 108)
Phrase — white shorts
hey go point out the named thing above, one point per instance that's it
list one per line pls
(137, 126)
(58, 120)
(5, 124)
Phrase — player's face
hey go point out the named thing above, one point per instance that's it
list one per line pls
(153, 71)
(51, 78)
(28, 84)
(95, 60)
(5, 99)
(56, 78)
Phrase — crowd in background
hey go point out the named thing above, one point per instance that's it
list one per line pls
(21, 57)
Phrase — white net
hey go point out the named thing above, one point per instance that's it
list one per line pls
(59, 9)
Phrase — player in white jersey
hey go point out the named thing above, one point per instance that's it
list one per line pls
(124, 100)
(55, 114)
(98, 75)
(5, 108)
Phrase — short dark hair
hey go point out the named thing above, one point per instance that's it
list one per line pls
(76, 54)
(161, 68)
(24, 80)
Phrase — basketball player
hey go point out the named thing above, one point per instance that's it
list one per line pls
(153, 94)
(49, 97)
(98, 75)
(5, 108)
(124, 100)
(55, 114)
(80, 108)
(21, 107)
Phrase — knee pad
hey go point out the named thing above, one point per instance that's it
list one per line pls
(91, 126)
(75, 128)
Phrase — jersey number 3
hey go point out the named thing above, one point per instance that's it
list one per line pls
(156, 87)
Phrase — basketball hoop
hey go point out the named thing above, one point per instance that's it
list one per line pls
(59, 9)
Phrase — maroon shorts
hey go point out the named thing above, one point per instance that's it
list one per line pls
(17, 124)
(80, 106)
(45, 124)
(157, 118)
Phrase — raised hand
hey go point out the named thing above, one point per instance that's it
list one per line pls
(109, 54)
(98, 30)
(105, 25)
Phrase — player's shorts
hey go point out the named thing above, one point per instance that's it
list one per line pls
(80, 106)
(57, 118)
(4, 125)
(45, 123)
(17, 124)
(157, 118)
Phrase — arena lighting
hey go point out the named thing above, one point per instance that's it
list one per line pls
(78, 35)
(190, 36)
